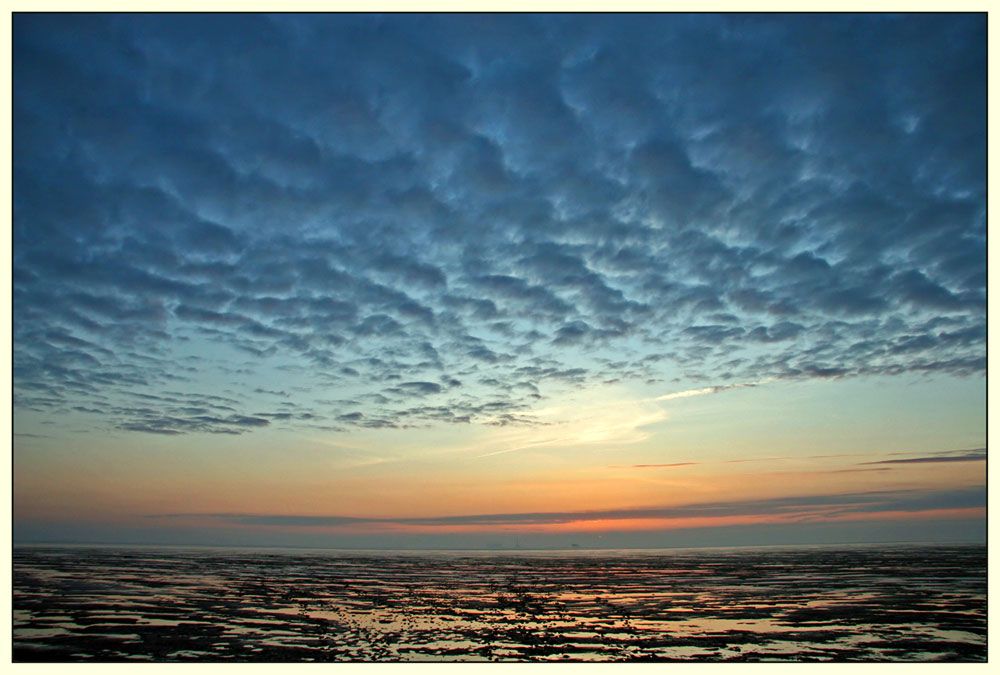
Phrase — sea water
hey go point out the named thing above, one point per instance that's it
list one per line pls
(819, 603)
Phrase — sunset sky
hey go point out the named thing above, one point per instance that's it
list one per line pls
(468, 281)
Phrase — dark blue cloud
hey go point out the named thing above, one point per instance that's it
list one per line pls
(378, 202)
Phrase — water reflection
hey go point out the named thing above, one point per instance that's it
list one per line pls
(905, 603)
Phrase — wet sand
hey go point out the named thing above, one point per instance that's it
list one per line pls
(900, 603)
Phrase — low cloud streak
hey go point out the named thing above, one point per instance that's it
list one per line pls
(827, 506)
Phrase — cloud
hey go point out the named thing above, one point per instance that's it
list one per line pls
(323, 198)
(829, 506)
(422, 387)
(973, 456)
(710, 390)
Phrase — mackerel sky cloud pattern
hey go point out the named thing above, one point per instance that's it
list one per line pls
(227, 224)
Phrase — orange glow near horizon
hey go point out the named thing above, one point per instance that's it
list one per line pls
(603, 525)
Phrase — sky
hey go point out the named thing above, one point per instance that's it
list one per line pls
(499, 281)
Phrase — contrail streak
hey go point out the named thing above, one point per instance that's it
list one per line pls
(525, 447)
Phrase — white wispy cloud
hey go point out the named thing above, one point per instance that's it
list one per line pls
(713, 390)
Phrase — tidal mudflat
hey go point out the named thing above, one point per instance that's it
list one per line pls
(902, 603)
